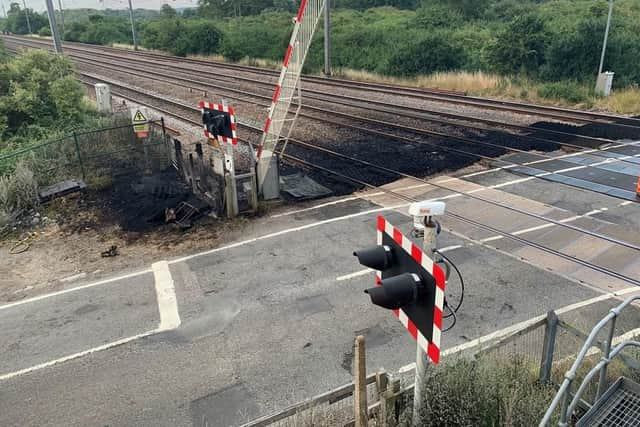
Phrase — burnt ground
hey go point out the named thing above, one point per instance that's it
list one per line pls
(426, 157)
(72, 232)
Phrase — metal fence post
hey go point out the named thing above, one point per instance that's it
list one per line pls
(546, 364)
(77, 144)
(606, 354)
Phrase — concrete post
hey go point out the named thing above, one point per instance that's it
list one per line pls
(232, 188)
(419, 404)
(133, 27)
(26, 15)
(54, 28)
(327, 38)
(61, 19)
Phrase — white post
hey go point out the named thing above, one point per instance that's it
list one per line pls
(429, 246)
(606, 37)
(26, 15)
(232, 192)
(54, 28)
(327, 38)
(133, 27)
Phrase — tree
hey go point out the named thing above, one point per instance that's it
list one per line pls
(520, 47)
(38, 90)
(431, 53)
(17, 20)
(167, 11)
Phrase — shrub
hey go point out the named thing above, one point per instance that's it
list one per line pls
(18, 192)
(485, 392)
(44, 32)
(569, 90)
(521, 47)
(431, 53)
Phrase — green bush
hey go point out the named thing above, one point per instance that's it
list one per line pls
(569, 90)
(44, 32)
(18, 193)
(521, 47)
(484, 392)
(428, 54)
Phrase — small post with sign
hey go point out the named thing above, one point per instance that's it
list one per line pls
(140, 121)
(219, 122)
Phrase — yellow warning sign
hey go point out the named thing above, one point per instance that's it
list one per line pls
(139, 117)
(139, 121)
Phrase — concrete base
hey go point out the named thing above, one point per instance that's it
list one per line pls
(268, 176)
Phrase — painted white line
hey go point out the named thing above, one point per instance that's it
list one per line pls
(320, 206)
(356, 274)
(77, 355)
(166, 292)
(169, 318)
(287, 231)
(77, 288)
(521, 325)
(544, 226)
(451, 248)
(533, 162)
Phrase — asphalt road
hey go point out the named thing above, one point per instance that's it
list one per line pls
(227, 335)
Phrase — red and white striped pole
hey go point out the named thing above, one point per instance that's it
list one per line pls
(285, 65)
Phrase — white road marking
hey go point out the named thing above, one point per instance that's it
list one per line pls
(77, 355)
(166, 293)
(77, 288)
(287, 231)
(451, 248)
(169, 319)
(320, 206)
(356, 274)
(543, 226)
(533, 162)
(521, 325)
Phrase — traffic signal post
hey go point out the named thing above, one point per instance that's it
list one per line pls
(411, 284)
(429, 245)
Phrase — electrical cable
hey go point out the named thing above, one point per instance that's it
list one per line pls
(455, 318)
(454, 310)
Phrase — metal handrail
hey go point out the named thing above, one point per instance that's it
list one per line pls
(565, 387)
(603, 362)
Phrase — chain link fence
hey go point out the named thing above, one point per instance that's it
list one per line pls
(94, 156)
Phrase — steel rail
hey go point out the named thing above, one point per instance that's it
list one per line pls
(531, 109)
(397, 173)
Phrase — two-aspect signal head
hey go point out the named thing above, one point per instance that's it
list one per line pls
(397, 291)
(378, 258)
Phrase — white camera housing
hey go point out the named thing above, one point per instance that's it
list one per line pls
(426, 208)
(420, 210)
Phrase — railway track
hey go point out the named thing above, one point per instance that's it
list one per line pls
(470, 148)
(396, 90)
(190, 114)
(398, 133)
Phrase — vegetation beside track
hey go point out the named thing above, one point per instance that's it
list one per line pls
(544, 51)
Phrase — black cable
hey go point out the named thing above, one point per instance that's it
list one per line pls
(453, 311)
(455, 318)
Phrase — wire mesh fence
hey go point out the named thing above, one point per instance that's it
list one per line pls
(93, 155)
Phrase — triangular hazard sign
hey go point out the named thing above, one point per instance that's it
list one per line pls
(139, 117)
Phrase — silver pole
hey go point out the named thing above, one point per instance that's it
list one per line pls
(26, 15)
(54, 28)
(4, 11)
(422, 363)
(61, 18)
(606, 36)
(133, 27)
(327, 38)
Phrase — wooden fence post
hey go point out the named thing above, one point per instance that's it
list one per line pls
(546, 361)
(361, 409)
